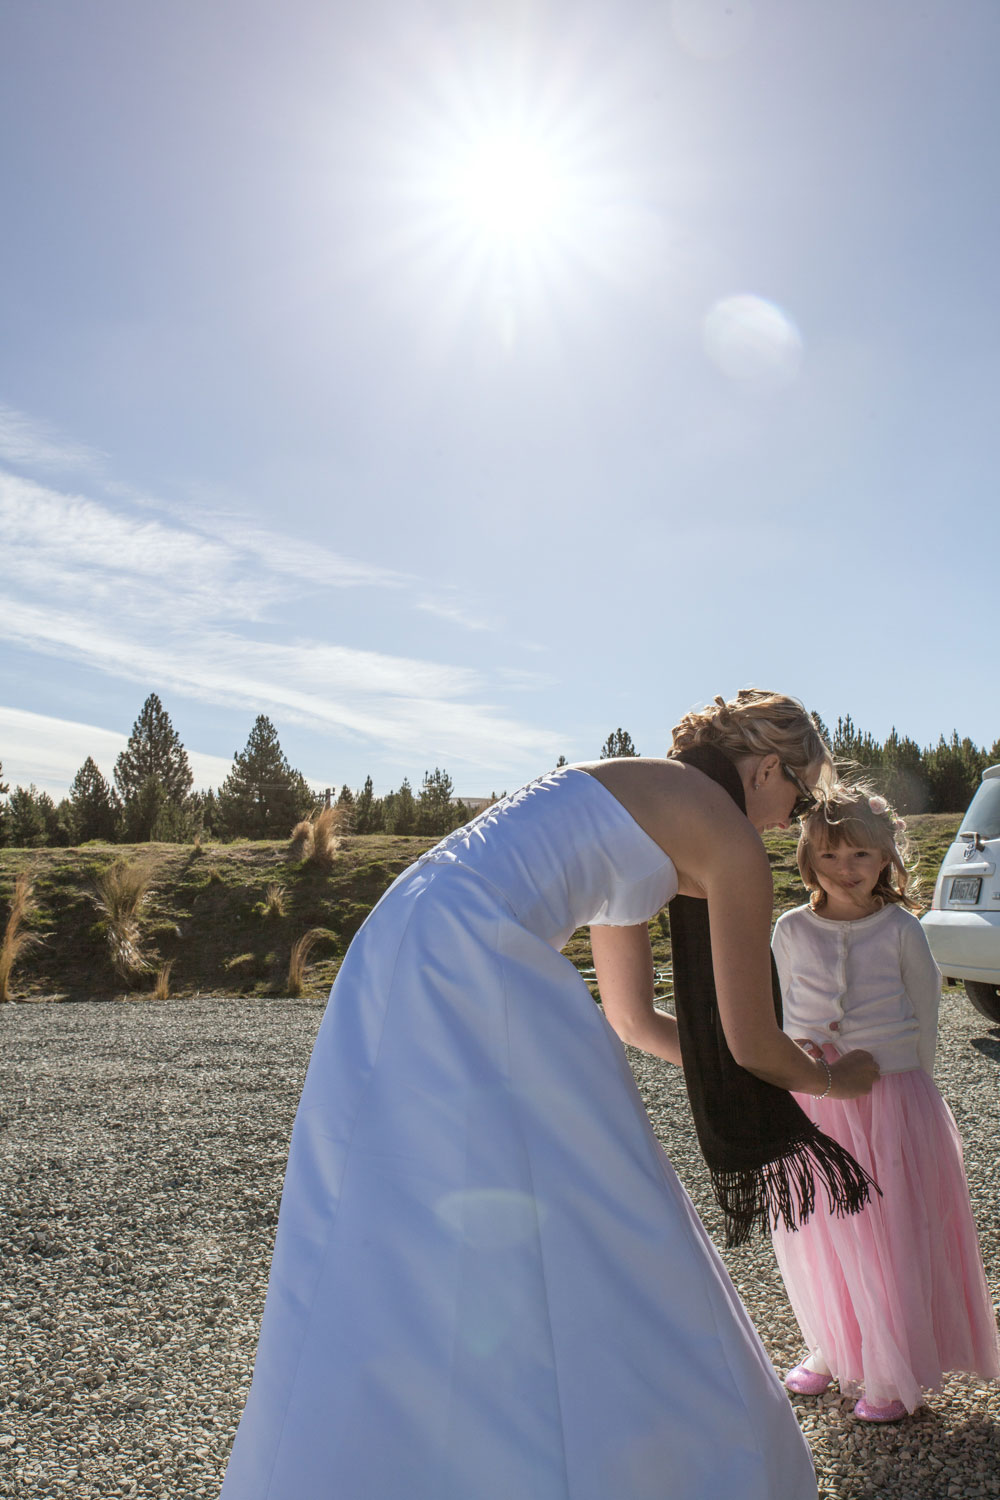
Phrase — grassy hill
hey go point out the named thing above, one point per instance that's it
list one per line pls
(211, 913)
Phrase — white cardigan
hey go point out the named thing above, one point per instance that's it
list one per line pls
(870, 983)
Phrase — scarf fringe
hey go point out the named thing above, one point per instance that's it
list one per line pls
(784, 1190)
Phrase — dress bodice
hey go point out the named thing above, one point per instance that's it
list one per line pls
(564, 853)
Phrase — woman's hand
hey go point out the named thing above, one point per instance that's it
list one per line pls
(854, 1075)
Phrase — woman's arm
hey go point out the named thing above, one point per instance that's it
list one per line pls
(718, 857)
(623, 960)
(737, 882)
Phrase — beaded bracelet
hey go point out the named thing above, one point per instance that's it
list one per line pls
(829, 1078)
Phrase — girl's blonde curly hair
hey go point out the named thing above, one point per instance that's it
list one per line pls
(856, 815)
(756, 722)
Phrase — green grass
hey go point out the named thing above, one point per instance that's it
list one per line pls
(206, 911)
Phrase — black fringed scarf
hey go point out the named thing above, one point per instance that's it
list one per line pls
(762, 1151)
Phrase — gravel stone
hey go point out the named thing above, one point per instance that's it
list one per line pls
(141, 1158)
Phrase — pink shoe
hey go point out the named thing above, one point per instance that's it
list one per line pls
(869, 1413)
(806, 1382)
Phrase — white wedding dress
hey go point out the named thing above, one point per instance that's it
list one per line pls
(488, 1283)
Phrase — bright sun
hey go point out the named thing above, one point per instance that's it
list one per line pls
(511, 186)
(516, 213)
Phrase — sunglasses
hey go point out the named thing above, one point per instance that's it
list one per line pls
(806, 799)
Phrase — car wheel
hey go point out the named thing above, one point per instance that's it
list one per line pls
(986, 999)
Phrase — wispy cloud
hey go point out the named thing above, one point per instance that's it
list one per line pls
(35, 445)
(82, 546)
(154, 600)
(311, 563)
(456, 614)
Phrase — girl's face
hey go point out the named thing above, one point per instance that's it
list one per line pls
(848, 875)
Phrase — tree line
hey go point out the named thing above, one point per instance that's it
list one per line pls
(263, 797)
(940, 778)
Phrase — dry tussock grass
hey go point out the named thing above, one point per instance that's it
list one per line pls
(15, 939)
(121, 892)
(326, 837)
(301, 846)
(316, 839)
(274, 900)
(161, 984)
(298, 960)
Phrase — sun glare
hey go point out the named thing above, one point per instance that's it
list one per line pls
(508, 186)
(517, 210)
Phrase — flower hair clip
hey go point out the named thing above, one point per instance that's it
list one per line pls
(879, 806)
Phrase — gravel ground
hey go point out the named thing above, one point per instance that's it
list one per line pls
(143, 1150)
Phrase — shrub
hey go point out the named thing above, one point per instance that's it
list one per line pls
(121, 892)
(15, 939)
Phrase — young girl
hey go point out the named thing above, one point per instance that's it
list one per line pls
(891, 1298)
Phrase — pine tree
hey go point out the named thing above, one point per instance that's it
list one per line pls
(903, 779)
(204, 813)
(435, 813)
(27, 822)
(345, 806)
(367, 810)
(93, 804)
(262, 797)
(953, 770)
(618, 743)
(820, 727)
(401, 810)
(853, 749)
(152, 770)
(142, 811)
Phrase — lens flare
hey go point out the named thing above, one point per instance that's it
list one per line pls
(491, 1218)
(753, 341)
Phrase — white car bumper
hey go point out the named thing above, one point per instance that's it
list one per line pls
(965, 944)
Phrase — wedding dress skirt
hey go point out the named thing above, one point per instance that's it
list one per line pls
(488, 1283)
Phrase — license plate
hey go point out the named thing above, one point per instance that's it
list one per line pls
(966, 890)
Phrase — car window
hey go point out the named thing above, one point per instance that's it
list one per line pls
(983, 816)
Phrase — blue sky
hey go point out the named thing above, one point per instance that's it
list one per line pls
(457, 381)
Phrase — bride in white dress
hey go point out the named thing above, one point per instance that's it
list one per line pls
(488, 1283)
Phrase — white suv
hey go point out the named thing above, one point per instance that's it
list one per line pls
(963, 924)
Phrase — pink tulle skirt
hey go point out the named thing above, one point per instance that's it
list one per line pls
(894, 1297)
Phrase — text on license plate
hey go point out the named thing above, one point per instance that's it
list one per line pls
(966, 889)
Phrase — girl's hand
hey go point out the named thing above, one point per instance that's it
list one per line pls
(854, 1075)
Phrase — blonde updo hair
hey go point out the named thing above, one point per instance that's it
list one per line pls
(856, 815)
(756, 722)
